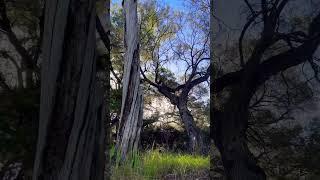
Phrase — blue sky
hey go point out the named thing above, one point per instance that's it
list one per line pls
(175, 3)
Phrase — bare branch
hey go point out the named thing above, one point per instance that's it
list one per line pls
(275, 64)
(243, 32)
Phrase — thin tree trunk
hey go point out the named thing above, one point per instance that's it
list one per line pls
(132, 99)
(196, 144)
(230, 124)
(71, 125)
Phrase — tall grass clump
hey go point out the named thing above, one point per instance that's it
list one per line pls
(161, 165)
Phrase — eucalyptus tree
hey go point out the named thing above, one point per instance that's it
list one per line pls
(169, 42)
(159, 26)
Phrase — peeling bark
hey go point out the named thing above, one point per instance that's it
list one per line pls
(132, 98)
(71, 126)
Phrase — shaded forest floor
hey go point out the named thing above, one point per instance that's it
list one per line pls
(163, 165)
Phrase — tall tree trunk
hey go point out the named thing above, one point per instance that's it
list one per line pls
(71, 126)
(196, 144)
(132, 99)
(230, 128)
(230, 121)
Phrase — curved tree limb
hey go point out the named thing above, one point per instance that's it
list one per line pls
(5, 25)
(275, 64)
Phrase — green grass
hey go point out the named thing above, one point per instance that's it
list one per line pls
(155, 165)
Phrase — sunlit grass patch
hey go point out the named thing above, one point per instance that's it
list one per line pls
(156, 165)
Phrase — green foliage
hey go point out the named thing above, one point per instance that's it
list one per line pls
(288, 154)
(201, 112)
(155, 27)
(117, 38)
(115, 100)
(156, 24)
